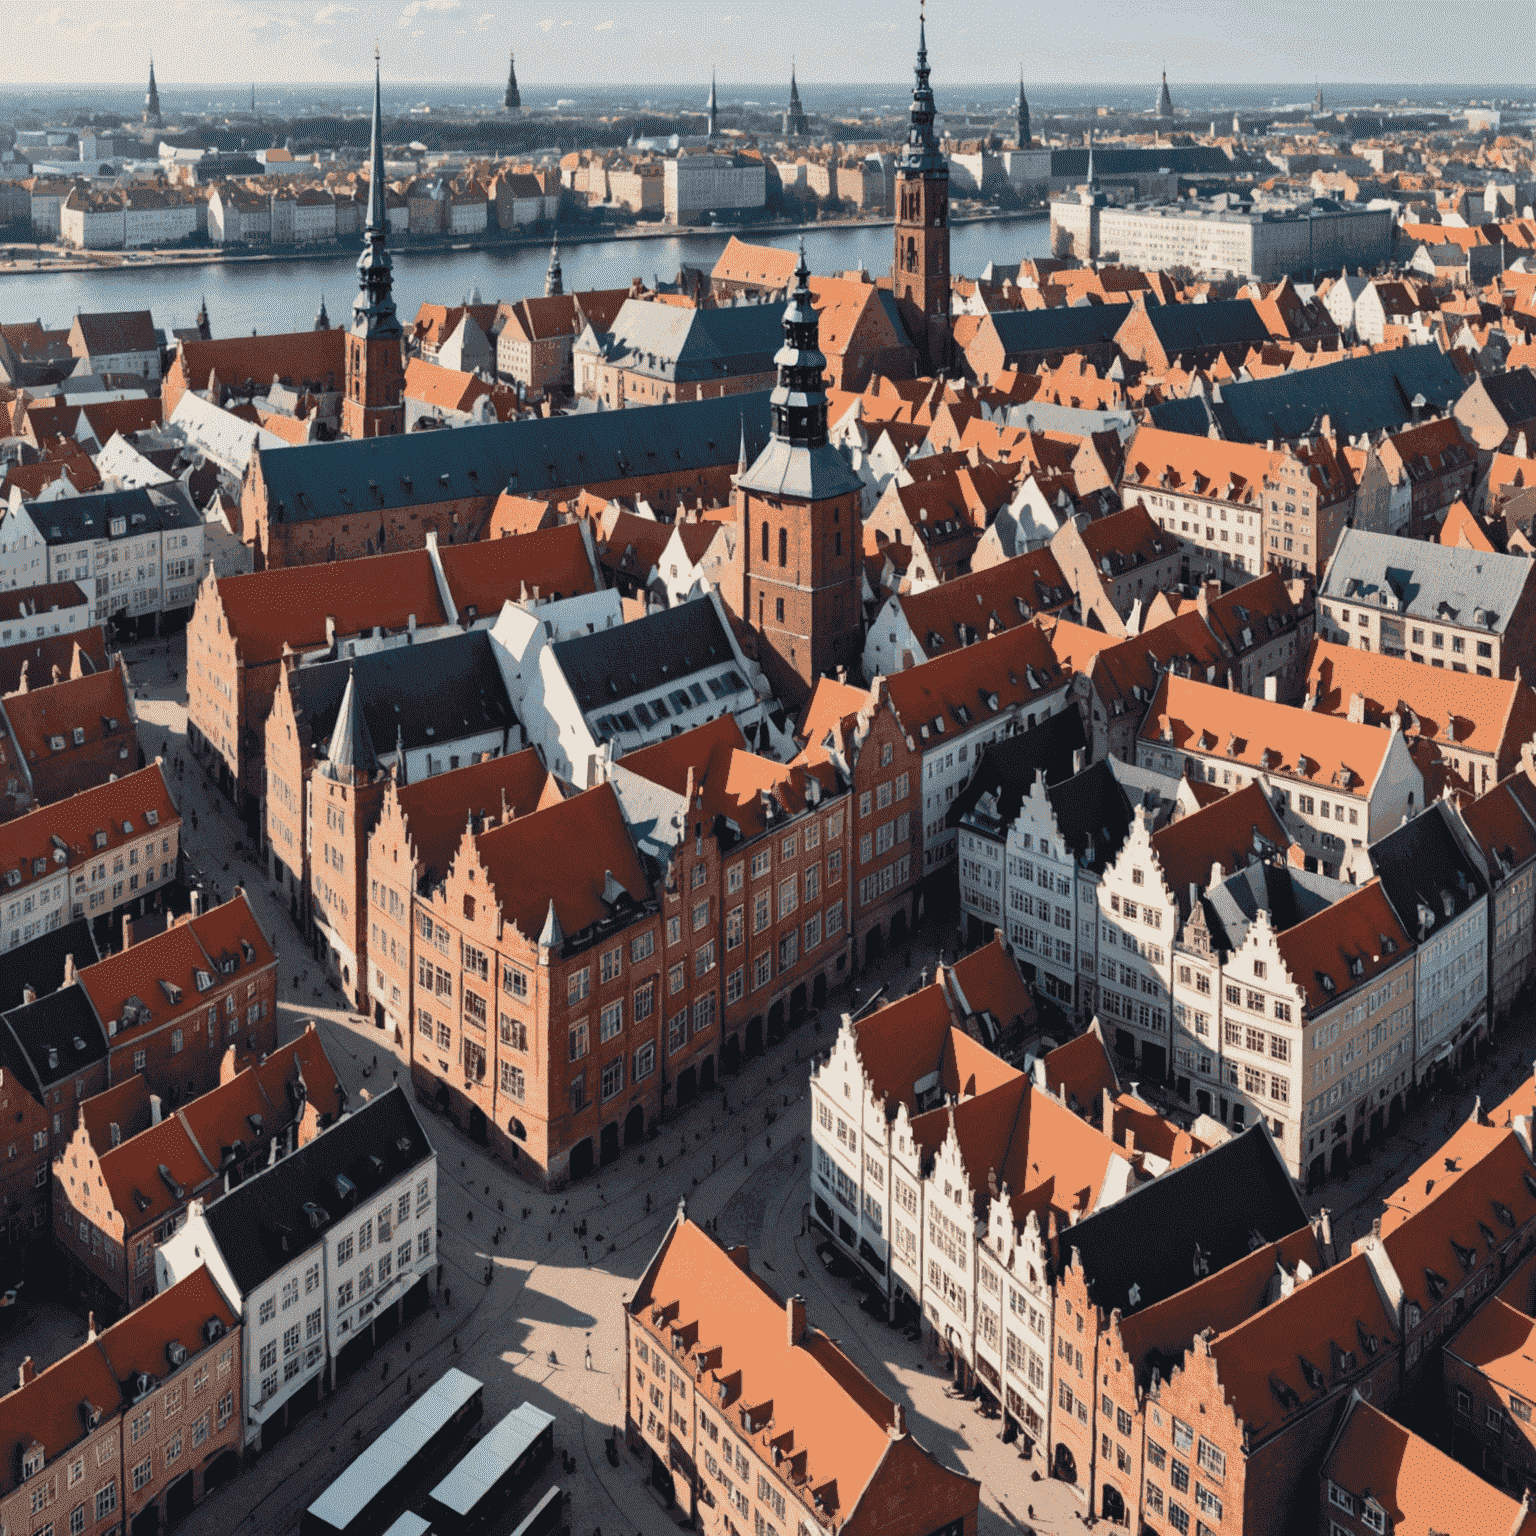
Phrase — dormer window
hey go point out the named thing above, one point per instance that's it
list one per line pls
(152, 817)
(56, 743)
(79, 735)
(32, 1462)
(203, 979)
(101, 839)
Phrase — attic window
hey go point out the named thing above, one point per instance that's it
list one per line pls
(56, 743)
(127, 828)
(203, 979)
(152, 817)
(101, 839)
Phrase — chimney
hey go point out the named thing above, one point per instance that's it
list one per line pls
(154, 1109)
(1272, 689)
(69, 969)
(898, 1420)
(127, 931)
(29, 993)
(27, 1373)
(196, 909)
(741, 1257)
(1077, 760)
(794, 1312)
(90, 1326)
(1357, 708)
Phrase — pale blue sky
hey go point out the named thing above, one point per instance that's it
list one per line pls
(665, 42)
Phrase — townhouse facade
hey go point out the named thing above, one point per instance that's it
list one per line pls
(308, 1280)
(1500, 823)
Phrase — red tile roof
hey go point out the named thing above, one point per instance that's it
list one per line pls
(485, 575)
(1080, 1072)
(1221, 833)
(577, 843)
(30, 602)
(1501, 826)
(822, 1407)
(96, 704)
(50, 1409)
(1422, 1490)
(987, 602)
(36, 838)
(33, 661)
(1350, 943)
(179, 1314)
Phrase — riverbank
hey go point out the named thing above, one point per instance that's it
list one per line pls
(108, 262)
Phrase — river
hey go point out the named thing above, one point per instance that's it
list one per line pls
(281, 296)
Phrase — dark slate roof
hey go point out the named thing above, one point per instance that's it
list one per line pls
(648, 655)
(420, 695)
(1185, 160)
(1189, 415)
(893, 314)
(62, 1023)
(40, 963)
(1357, 394)
(262, 1224)
(798, 470)
(667, 341)
(1189, 327)
(1093, 813)
(1007, 768)
(1513, 394)
(1425, 873)
(360, 476)
(1066, 329)
(1289, 896)
(1219, 1203)
(73, 519)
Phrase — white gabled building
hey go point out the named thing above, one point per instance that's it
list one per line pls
(313, 1249)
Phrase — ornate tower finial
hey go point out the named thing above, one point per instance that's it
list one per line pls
(795, 122)
(322, 320)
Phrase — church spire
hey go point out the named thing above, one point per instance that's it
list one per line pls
(1164, 100)
(921, 151)
(513, 100)
(373, 310)
(554, 284)
(712, 106)
(1023, 125)
(322, 320)
(799, 400)
(351, 756)
(795, 122)
(152, 117)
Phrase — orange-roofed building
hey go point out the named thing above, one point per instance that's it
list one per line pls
(314, 358)
(1477, 725)
(780, 1423)
(65, 737)
(1378, 1476)
(1489, 1371)
(1341, 783)
(1502, 823)
(173, 1004)
(768, 887)
(92, 855)
(451, 397)
(51, 659)
(1412, 477)
(1118, 562)
(1452, 1228)
(124, 1179)
(1462, 528)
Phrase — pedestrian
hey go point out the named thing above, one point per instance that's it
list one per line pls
(584, 1258)
(448, 1296)
(385, 1376)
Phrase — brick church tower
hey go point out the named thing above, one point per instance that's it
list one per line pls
(798, 550)
(920, 264)
(374, 403)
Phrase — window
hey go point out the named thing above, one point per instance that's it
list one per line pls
(578, 1040)
(106, 1496)
(611, 1020)
(613, 1079)
(645, 1061)
(578, 984)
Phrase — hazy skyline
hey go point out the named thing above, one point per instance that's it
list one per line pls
(639, 43)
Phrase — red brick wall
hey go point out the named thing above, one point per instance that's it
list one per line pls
(391, 890)
(876, 909)
(1074, 1398)
(220, 692)
(343, 815)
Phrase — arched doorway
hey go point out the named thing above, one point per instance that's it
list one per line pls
(730, 1056)
(899, 929)
(686, 1086)
(634, 1126)
(707, 1073)
(477, 1124)
(819, 990)
(1064, 1465)
(754, 1042)
(608, 1144)
(776, 1022)
(1113, 1505)
(797, 1004)
(581, 1158)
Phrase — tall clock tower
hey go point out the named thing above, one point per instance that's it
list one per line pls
(920, 263)
(799, 546)
(374, 402)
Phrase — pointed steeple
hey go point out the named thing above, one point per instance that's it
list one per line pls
(554, 283)
(253, 96)
(350, 756)
(1317, 102)
(513, 100)
(794, 119)
(373, 310)
(921, 151)
(152, 118)
(203, 328)
(322, 320)
(1093, 180)
(1025, 140)
(741, 454)
(1164, 100)
(712, 107)
(552, 934)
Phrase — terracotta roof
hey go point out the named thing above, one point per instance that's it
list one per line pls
(952, 692)
(124, 1104)
(1501, 825)
(1260, 1361)
(1127, 539)
(70, 826)
(96, 705)
(1491, 716)
(436, 809)
(1210, 467)
(1251, 615)
(988, 980)
(50, 1409)
(481, 577)
(831, 704)
(1500, 1343)
(267, 608)
(30, 602)
(1227, 832)
(435, 323)
(1080, 1072)
(1422, 1490)
(1267, 736)
(316, 356)
(1349, 944)
(158, 979)
(823, 1408)
(633, 544)
(770, 266)
(578, 843)
(443, 388)
(120, 330)
(986, 602)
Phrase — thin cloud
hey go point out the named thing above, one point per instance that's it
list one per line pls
(330, 14)
(418, 7)
(545, 26)
(604, 26)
